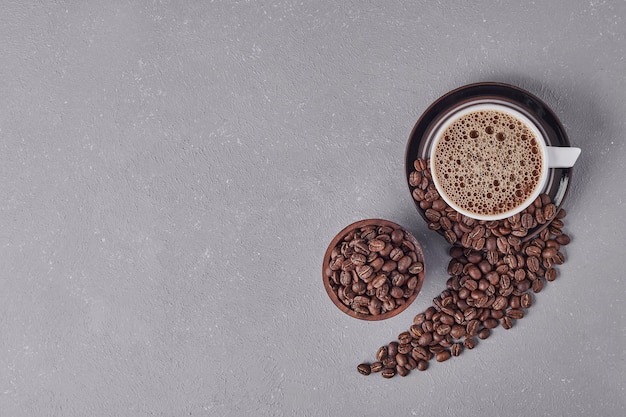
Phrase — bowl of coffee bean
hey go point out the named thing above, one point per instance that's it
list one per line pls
(373, 269)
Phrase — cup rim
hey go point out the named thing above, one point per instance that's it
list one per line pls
(455, 113)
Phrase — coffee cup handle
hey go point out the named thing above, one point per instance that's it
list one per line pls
(562, 157)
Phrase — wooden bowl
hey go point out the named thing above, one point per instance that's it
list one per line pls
(349, 304)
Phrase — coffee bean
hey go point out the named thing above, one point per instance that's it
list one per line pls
(456, 349)
(388, 372)
(450, 236)
(503, 245)
(420, 353)
(549, 211)
(443, 356)
(563, 239)
(515, 313)
(411, 363)
(472, 327)
(422, 365)
(548, 253)
(401, 370)
(490, 323)
(550, 274)
(506, 322)
(484, 333)
(405, 337)
(415, 178)
(443, 329)
(526, 300)
(432, 215)
(405, 348)
(500, 303)
(425, 339)
(364, 369)
(389, 362)
(469, 343)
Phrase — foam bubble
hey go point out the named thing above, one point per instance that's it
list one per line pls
(495, 160)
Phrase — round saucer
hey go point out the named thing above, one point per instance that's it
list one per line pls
(559, 180)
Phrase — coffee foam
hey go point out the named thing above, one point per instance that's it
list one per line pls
(488, 162)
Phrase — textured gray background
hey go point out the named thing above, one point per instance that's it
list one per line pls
(172, 172)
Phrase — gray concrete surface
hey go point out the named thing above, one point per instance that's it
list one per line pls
(171, 173)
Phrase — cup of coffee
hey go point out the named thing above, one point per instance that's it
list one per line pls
(489, 160)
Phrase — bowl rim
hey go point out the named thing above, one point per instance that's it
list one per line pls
(325, 269)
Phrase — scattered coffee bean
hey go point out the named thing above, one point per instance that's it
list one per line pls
(364, 369)
(494, 267)
(376, 366)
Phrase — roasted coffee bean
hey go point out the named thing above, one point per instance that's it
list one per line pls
(420, 353)
(415, 330)
(490, 323)
(469, 343)
(411, 363)
(443, 356)
(447, 319)
(484, 333)
(549, 211)
(548, 253)
(418, 194)
(550, 274)
(422, 365)
(515, 313)
(402, 370)
(526, 300)
(388, 372)
(472, 327)
(419, 318)
(470, 314)
(376, 366)
(533, 263)
(405, 337)
(415, 178)
(563, 239)
(457, 331)
(540, 217)
(405, 348)
(456, 349)
(401, 359)
(533, 250)
(392, 348)
(364, 369)
(389, 362)
(559, 258)
(477, 232)
(432, 215)
(450, 236)
(382, 353)
(443, 329)
(506, 322)
(425, 339)
(503, 245)
(528, 221)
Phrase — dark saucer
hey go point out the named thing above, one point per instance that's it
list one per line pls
(534, 108)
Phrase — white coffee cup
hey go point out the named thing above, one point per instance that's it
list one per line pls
(551, 157)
